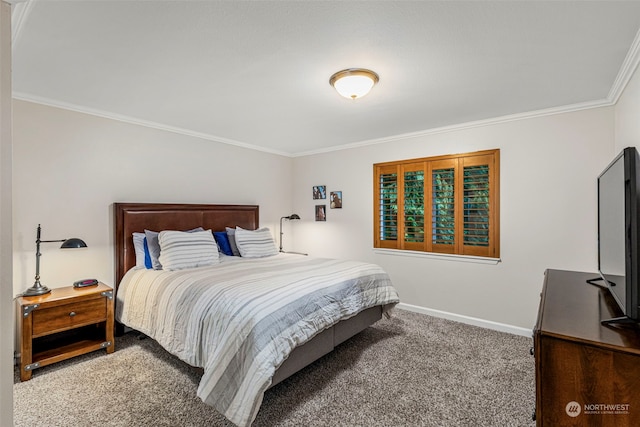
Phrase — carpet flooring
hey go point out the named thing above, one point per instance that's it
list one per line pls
(410, 370)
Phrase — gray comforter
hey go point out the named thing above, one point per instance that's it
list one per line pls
(240, 319)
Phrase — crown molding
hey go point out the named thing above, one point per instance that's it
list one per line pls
(627, 69)
(395, 138)
(464, 126)
(19, 14)
(132, 120)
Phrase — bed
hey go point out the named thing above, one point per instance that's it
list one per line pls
(169, 306)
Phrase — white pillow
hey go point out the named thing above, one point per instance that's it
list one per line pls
(255, 244)
(180, 249)
(154, 247)
(138, 246)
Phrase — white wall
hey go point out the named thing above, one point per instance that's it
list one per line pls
(549, 167)
(6, 301)
(627, 115)
(69, 168)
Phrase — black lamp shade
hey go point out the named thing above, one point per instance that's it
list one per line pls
(73, 243)
(294, 216)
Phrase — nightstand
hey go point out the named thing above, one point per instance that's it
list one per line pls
(64, 323)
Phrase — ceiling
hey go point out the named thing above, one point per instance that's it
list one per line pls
(256, 74)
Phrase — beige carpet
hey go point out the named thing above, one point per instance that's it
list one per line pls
(410, 370)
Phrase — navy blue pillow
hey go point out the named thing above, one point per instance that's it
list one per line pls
(147, 255)
(223, 242)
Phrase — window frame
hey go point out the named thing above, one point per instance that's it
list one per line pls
(458, 162)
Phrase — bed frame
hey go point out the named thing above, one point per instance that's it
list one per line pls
(136, 217)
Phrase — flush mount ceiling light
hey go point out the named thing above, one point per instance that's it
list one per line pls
(354, 83)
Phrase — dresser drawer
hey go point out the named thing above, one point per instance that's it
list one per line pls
(68, 316)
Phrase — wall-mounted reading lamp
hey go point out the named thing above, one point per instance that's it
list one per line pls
(38, 288)
(290, 217)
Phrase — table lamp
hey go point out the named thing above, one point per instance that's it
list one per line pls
(38, 288)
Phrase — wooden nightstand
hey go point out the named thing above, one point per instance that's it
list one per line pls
(64, 323)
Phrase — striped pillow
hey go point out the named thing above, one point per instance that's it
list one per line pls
(138, 246)
(179, 249)
(255, 244)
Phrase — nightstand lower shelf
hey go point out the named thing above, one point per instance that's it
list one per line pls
(62, 346)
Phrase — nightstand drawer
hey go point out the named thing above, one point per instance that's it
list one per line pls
(68, 316)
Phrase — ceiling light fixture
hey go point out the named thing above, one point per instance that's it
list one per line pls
(354, 83)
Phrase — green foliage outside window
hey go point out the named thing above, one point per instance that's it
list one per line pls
(476, 205)
(389, 207)
(414, 206)
(443, 219)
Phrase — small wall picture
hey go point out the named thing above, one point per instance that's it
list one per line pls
(321, 212)
(336, 200)
(319, 192)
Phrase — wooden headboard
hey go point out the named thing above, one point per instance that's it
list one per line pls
(136, 217)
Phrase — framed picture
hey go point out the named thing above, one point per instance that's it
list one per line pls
(321, 212)
(319, 192)
(336, 200)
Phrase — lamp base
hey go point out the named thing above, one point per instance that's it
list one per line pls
(36, 290)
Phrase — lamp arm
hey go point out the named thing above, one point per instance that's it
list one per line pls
(281, 232)
(37, 281)
(38, 254)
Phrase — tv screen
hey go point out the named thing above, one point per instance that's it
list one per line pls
(618, 238)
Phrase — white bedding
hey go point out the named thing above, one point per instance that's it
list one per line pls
(241, 318)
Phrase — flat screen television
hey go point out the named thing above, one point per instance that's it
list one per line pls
(619, 233)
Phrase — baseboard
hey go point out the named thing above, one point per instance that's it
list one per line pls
(488, 324)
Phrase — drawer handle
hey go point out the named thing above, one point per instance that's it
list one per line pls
(73, 313)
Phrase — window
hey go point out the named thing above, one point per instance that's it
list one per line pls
(445, 204)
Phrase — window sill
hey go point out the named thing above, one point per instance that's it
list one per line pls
(443, 257)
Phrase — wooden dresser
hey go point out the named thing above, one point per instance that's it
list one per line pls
(587, 374)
